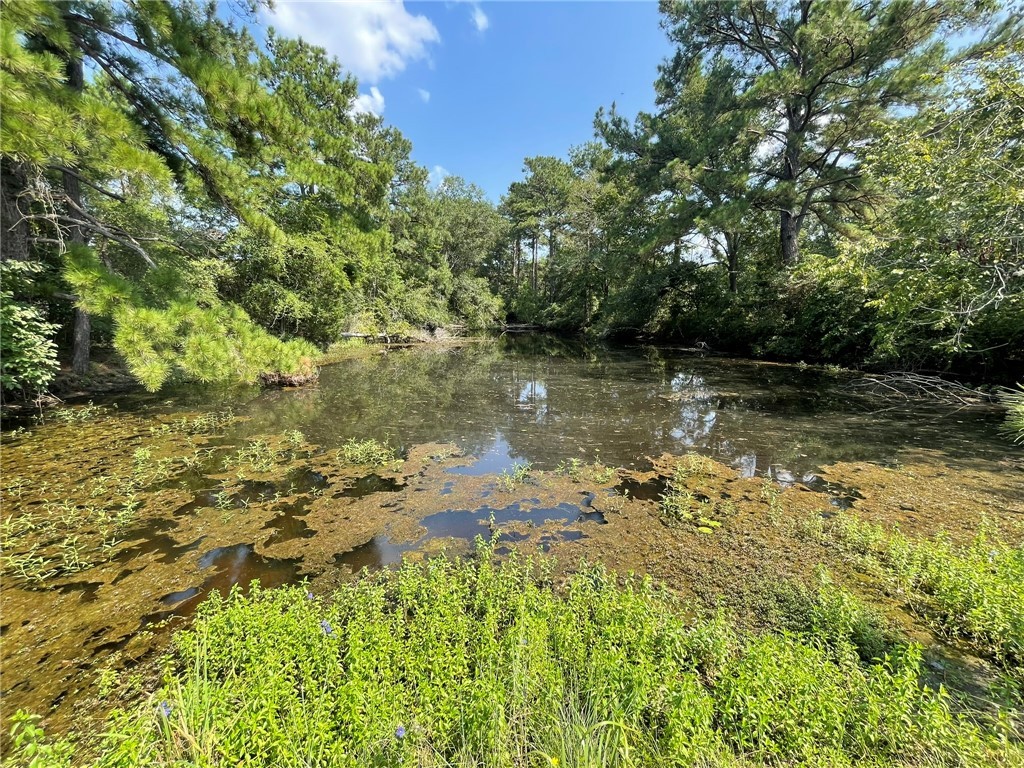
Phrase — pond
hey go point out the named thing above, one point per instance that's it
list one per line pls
(121, 518)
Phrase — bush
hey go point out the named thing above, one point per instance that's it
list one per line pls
(28, 354)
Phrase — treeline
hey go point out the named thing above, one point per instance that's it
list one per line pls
(819, 181)
(213, 206)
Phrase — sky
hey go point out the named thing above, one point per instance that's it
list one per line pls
(478, 86)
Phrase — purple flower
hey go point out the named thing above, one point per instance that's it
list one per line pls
(326, 626)
(309, 595)
(400, 732)
(164, 709)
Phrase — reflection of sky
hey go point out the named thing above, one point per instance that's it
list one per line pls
(492, 461)
(533, 396)
(532, 392)
(746, 464)
(695, 426)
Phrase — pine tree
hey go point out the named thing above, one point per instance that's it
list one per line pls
(172, 118)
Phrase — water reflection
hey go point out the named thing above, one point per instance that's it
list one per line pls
(544, 400)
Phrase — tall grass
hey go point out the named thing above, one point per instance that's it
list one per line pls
(475, 663)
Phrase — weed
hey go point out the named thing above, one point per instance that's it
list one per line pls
(75, 414)
(680, 505)
(975, 591)
(367, 451)
(257, 455)
(479, 663)
(578, 471)
(520, 473)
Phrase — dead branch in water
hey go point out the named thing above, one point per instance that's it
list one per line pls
(918, 386)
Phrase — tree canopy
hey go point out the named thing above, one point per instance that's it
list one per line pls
(820, 181)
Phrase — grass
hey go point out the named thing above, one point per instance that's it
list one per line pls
(478, 663)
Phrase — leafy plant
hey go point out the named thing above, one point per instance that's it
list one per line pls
(483, 663)
(366, 452)
(520, 473)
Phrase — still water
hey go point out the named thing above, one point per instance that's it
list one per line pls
(542, 400)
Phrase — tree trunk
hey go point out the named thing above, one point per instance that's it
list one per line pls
(789, 232)
(535, 239)
(517, 256)
(80, 357)
(732, 254)
(13, 208)
(73, 192)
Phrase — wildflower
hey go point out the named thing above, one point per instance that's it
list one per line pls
(326, 626)
(309, 595)
(554, 761)
(164, 709)
(400, 732)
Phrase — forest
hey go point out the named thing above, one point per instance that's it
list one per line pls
(842, 186)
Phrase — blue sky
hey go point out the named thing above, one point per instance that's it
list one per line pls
(479, 86)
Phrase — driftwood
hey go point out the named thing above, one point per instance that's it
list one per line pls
(918, 386)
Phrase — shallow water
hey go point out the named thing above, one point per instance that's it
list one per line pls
(495, 403)
(543, 400)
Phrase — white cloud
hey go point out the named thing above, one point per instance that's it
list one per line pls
(424, 94)
(437, 174)
(480, 19)
(372, 102)
(373, 39)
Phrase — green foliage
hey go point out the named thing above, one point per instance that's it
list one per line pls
(367, 451)
(947, 251)
(28, 354)
(974, 591)
(218, 344)
(477, 663)
(520, 474)
(1013, 401)
(32, 749)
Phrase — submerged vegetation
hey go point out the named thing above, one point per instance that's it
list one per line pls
(486, 663)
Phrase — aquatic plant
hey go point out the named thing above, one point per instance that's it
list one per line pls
(483, 663)
(257, 455)
(679, 505)
(973, 591)
(209, 423)
(367, 451)
(578, 471)
(520, 473)
(74, 414)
